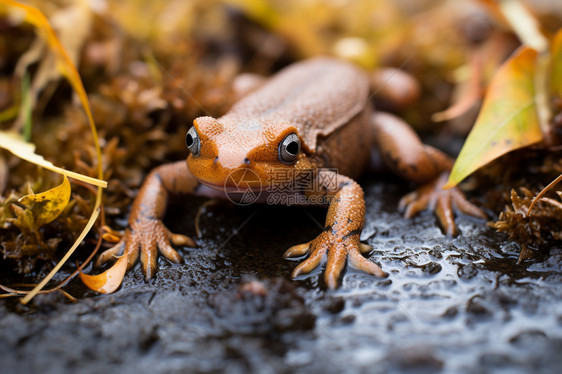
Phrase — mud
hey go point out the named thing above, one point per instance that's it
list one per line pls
(459, 305)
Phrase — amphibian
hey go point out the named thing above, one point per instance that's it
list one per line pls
(310, 126)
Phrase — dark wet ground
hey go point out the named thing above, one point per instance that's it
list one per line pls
(458, 305)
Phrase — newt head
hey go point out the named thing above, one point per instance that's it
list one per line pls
(240, 153)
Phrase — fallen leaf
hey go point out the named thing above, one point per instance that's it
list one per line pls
(63, 60)
(109, 280)
(46, 206)
(516, 111)
(67, 255)
(72, 26)
(64, 63)
(474, 76)
(508, 119)
(14, 143)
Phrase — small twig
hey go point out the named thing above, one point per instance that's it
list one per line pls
(541, 194)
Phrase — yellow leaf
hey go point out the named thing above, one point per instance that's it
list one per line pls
(508, 119)
(18, 146)
(67, 255)
(64, 63)
(34, 17)
(72, 24)
(47, 206)
(109, 280)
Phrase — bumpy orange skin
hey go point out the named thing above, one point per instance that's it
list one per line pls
(325, 102)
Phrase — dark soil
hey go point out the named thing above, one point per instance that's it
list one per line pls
(459, 305)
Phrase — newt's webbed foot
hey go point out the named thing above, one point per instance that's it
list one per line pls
(334, 251)
(432, 196)
(147, 236)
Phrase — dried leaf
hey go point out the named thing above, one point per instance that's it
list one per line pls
(534, 230)
(67, 255)
(24, 220)
(508, 119)
(109, 280)
(72, 24)
(18, 146)
(516, 111)
(64, 63)
(46, 206)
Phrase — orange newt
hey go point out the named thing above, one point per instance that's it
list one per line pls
(310, 126)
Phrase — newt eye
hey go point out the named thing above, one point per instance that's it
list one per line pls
(192, 141)
(289, 149)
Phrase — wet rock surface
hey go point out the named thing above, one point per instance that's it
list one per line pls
(459, 305)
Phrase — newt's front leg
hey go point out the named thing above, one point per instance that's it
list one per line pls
(407, 156)
(146, 234)
(339, 241)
